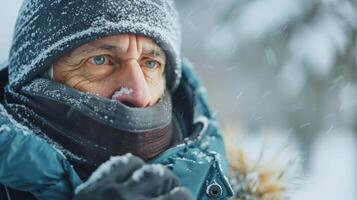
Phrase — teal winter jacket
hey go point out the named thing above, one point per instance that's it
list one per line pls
(30, 164)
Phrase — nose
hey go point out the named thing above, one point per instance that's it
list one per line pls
(133, 80)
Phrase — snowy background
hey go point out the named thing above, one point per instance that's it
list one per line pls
(282, 66)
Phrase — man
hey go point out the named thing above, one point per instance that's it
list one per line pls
(98, 105)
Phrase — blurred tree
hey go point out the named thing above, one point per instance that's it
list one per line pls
(303, 51)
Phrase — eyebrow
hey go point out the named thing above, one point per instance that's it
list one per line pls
(105, 47)
(110, 48)
(156, 52)
(153, 51)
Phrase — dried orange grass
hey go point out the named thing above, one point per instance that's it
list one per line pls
(254, 181)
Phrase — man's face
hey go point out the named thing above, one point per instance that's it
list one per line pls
(127, 68)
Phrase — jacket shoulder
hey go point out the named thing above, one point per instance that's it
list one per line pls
(9, 125)
(47, 175)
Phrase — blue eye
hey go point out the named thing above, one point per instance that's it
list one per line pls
(151, 64)
(99, 60)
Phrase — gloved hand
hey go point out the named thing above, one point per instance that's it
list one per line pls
(130, 178)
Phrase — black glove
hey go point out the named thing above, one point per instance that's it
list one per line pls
(130, 178)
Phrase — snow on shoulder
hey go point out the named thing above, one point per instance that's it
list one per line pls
(12, 122)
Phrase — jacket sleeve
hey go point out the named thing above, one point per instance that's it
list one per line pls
(30, 164)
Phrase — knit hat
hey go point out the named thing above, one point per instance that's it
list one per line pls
(46, 30)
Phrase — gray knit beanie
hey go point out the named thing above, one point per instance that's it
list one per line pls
(48, 29)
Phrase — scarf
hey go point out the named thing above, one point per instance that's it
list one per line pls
(88, 128)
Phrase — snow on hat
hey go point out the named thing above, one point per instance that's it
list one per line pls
(46, 30)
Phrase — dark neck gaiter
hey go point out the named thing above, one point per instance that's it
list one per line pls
(92, 128)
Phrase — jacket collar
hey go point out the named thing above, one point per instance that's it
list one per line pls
(199, 161)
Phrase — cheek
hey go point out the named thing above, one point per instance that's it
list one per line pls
(98, 72)
(157, 88)
(103, 88)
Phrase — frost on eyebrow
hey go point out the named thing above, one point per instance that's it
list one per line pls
(151, 49)
(90, 49)
(154, 50)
